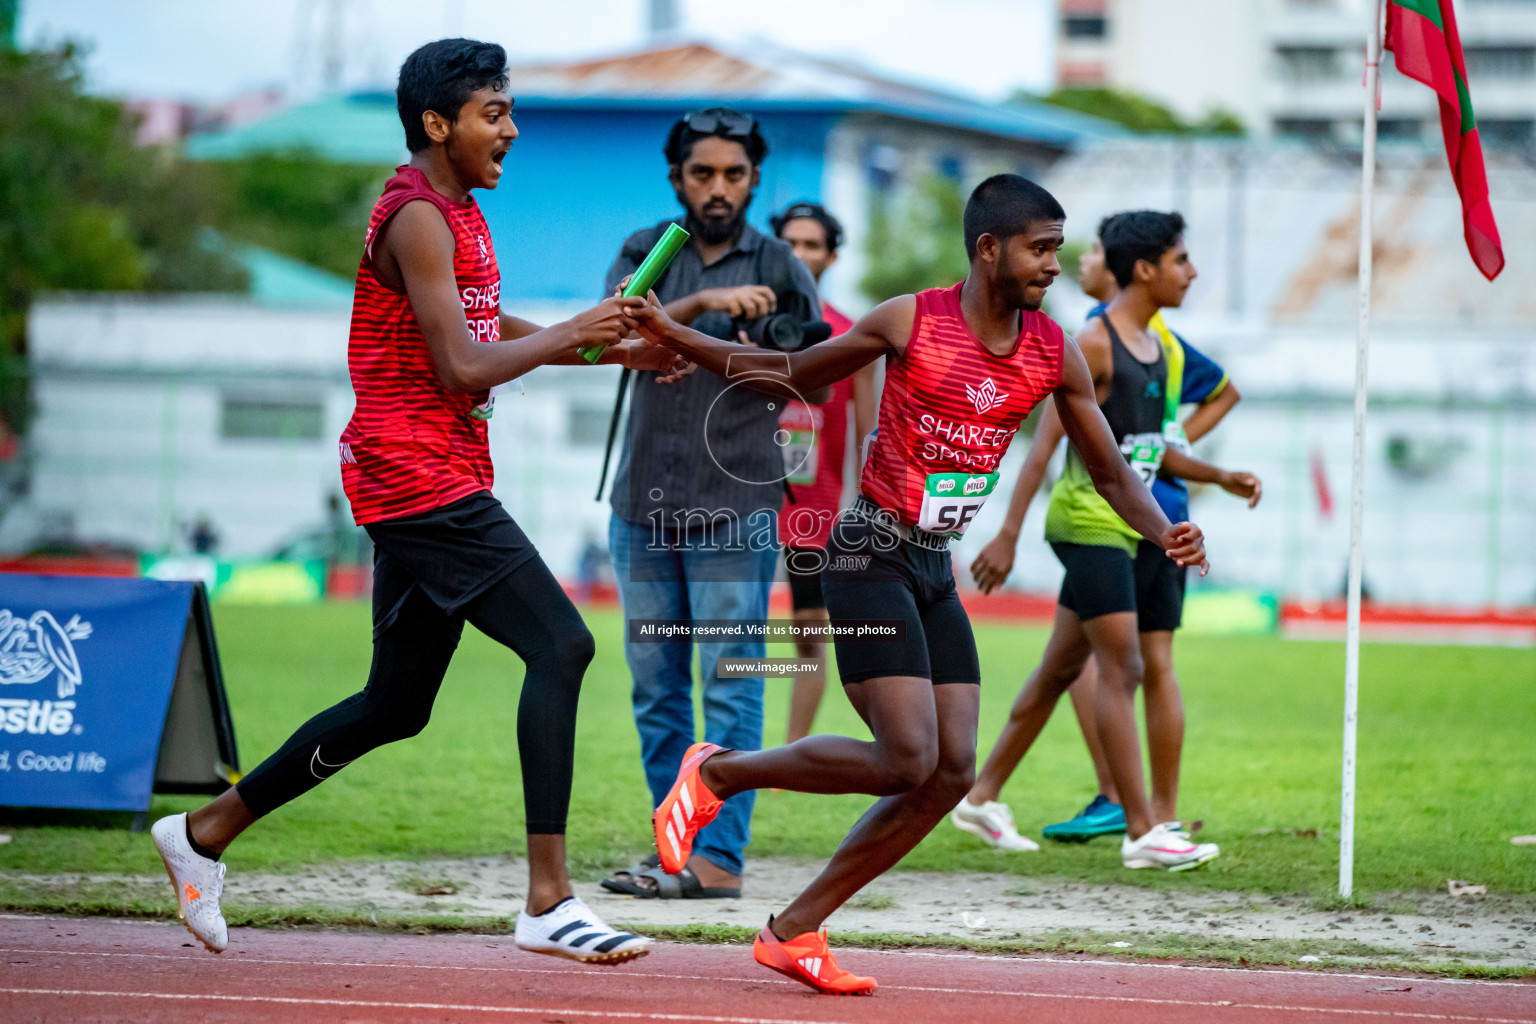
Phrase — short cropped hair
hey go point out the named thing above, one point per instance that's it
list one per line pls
(809, 211)
(442, 76)
(1137, 235)
(1006, 205)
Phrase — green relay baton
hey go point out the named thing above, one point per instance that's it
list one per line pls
(647, 274)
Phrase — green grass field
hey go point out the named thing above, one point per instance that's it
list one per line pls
(1446, 770)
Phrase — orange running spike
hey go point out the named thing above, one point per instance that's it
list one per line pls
(688, 807)
(808, 959)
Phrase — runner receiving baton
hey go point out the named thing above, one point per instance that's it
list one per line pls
(966, 364)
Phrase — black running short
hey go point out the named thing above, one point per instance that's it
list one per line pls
(1159, 590)
(1103, 580)
(802, 567)
(452, 554)
(871, 575)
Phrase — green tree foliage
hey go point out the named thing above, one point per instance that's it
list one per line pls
(83, 209)
(297, 203)
(918, 243)
(1139, 113)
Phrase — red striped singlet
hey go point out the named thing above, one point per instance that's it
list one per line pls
(950, 406)
(412, 445)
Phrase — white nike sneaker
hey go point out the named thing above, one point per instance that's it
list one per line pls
(571, 930)
(197, 880)
(1164, 847)
(992, 823)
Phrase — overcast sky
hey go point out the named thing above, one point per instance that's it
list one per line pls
(212, 49)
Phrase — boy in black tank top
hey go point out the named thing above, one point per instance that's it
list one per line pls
(1107, 586)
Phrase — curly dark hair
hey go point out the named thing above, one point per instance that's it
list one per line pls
(441, 76)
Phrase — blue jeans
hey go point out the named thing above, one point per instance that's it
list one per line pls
(677, 580)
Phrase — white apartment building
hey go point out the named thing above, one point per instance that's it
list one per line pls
(1294, 67)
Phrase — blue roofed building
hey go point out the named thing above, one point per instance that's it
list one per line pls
(587, 169)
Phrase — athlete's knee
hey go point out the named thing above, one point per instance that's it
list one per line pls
(1042, 691)
(577, 648)
(405, 723)
(1057, 673)
(1124, 668)
(907, 764)
(389, 721)
(566, 654)
(1158, 667)
(954, 776)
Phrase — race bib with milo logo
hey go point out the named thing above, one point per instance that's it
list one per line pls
(800, 456)
(951, 501)
(1145, 454)
(798, 426)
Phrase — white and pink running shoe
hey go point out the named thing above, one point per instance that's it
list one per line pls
(992, 823)
(1163, 847)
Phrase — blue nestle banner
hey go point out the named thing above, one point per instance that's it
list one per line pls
(86, 670)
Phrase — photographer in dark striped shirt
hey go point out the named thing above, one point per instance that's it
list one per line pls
(701, 479)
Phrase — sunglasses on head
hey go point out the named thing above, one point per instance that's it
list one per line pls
(731, 124)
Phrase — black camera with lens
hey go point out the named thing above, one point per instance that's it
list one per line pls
(784, 332)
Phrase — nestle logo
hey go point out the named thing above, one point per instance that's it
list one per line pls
(37, 717)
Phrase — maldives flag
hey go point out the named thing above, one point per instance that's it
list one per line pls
(1422, 35)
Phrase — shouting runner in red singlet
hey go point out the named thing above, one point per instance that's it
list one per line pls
(965, 365)
(429, 345)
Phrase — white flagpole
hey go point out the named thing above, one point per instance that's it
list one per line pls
(1357, 468)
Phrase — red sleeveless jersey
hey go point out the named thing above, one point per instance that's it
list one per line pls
(412, 445)
(949, 410)
(815, 471)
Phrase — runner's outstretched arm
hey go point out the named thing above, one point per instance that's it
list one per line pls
(1113, 478)
(418, 245)
(883, 330)
(633, 353)
(1185, 467)
(995, 561)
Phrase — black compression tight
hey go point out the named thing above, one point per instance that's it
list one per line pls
(526, 611)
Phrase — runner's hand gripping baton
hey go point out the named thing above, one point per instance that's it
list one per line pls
(647, 274)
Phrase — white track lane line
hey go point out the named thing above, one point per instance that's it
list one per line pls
(1418, 979)
(1276, 969)
(888, 987)
(379, 1004)
(1022, 961)
(705, 1019)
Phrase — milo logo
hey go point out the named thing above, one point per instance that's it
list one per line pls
(945, 486)
(975, 485)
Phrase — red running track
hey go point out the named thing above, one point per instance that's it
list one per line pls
(71, 969)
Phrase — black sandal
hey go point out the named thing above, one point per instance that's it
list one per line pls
(623, 881)
(684, 885)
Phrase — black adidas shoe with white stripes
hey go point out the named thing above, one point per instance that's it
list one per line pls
(571, 930)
